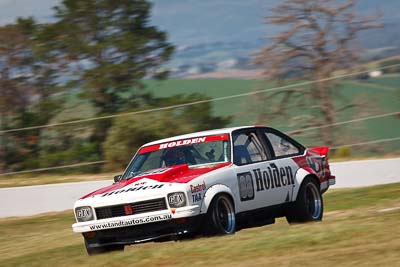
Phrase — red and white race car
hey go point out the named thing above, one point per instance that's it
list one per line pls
(213, 182)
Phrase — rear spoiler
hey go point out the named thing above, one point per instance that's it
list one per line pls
(322, 150)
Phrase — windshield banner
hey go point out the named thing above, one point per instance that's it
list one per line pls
(184, 142)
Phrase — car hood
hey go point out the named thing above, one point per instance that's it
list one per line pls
(155, 180)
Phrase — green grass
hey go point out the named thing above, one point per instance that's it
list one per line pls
(392, 81)
(380, 195)
(358, 230)
(212, 88)
(380, 95)
(381, 101)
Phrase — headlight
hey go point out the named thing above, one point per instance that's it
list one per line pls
(84, 214)
(177, 200)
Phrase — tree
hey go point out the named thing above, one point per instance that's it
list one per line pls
(15, 73)
(17, 88)
(108, 47)
(319, 39)
(27, 80)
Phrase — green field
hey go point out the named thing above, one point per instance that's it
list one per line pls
(378, 96)
(392, 81)
(360, 228)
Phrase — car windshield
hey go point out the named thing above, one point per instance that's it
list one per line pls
(195, 152)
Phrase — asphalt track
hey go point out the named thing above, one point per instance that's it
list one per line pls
(32, 200)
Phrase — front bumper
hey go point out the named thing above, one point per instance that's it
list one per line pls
(135, 220)
(143, 233)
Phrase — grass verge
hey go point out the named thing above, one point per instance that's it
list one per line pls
(361, 227)
(40, 179)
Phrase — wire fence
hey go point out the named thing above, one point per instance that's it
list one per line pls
(56, 167)
(345, 122)
(2, 132)
(104, 161)
(293, 131)
(285, 87)
(369, 142)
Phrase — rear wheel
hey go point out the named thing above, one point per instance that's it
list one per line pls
(221, 218)
(309, 205)
(100, 250)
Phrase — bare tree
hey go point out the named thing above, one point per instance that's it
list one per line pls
(319, 38)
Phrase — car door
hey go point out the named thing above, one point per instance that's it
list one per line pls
(257, 174)
(283, 149)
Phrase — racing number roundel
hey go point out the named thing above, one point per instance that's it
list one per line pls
(246, 187)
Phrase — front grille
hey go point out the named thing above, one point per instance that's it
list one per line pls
(136, 208)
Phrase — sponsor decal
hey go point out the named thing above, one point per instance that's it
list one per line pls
(318, 164)
(196, 197)
(264, 179)
(83, 212)
(273, 177)
(246, 186)
(184, 142)
(140, 183)
(148, 219)
(155, 171)
(128, 209)
(196, 191)
(197, 188)
(176, 199)
(133, 189)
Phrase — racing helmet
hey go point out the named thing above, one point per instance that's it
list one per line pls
(174, 156)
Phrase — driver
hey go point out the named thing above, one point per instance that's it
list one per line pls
(174, 156)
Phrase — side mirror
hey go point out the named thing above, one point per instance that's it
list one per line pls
(117, 178)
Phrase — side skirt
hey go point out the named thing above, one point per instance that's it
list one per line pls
(260, 217)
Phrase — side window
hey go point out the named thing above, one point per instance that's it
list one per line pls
(282, 147)
(247, 149)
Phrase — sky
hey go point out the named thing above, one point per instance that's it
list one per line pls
(187, 22)
(191, 22)
(11, 9)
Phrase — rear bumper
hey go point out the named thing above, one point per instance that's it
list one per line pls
(327, 183)
(143, 233)
(332, 180)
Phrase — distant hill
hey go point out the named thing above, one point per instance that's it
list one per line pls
(219, 35)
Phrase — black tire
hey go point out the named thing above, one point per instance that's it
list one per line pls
(221, 218)
(309, 205)
(100, 250)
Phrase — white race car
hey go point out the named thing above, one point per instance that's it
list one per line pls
(213, 182)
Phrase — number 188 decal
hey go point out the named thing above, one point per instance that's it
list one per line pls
(246, 187)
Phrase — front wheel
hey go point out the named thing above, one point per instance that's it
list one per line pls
(309, 205)
(221, 218)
